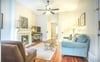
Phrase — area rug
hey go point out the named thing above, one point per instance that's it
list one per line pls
(42, 53)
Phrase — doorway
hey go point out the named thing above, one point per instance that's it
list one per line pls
(53, 30)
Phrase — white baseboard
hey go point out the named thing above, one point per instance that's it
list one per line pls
(91, 57)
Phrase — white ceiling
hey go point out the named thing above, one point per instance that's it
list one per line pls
(63, 5)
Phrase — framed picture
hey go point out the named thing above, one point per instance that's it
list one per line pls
(23, 22)
(83, 19)
(1, 21)
(79, 24)
(99, 25)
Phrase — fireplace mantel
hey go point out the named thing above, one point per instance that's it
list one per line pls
(25, 34)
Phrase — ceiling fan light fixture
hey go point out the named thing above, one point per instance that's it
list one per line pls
(48, 9)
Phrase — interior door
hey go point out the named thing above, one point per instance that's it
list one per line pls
(53, 30)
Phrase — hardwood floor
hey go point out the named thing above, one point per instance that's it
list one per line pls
(57, 57)
(73, 59)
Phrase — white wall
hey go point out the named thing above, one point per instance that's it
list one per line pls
(0, 34)
(51, 19)
(99, 31)
(54, 20)
(44, 21)
(66, 21)
(21, 10)
(91, 28)
(5, 9)
(49, 27)
(12, 10)
(0, 52)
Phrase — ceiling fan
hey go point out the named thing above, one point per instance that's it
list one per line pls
(48, 9)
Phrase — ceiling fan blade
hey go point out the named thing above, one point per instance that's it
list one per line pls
(55, 9)
(52, 12)
(41, 9)
(44, 12)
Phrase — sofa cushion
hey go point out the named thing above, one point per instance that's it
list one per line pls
(82, 38)
(73, 45)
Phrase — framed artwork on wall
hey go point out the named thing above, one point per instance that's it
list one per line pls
(83, 19)
(1, 21)
(99, 25)
(79, 22)
(23, 22)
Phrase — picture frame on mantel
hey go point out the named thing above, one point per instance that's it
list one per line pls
(83, 19)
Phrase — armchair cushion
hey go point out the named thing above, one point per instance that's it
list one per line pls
(19, 45)
(19, 50)
(11, 53)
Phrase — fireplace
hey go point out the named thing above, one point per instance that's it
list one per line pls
(25, 36)
(25, 39)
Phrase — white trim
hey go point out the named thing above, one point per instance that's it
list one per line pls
(91, 57)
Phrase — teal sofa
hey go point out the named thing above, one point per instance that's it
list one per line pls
(80, 47)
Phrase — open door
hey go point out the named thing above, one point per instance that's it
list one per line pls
(53, 30)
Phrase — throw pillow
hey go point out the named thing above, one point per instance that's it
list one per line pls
(82, 39)
(74, 38)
